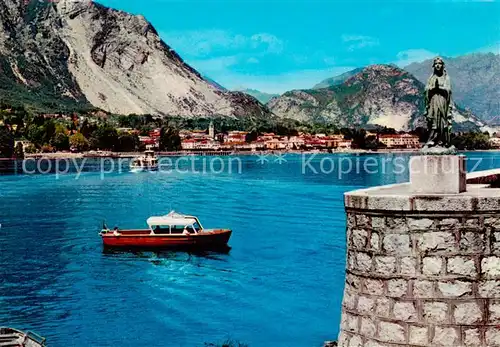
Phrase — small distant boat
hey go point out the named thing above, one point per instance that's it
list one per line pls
(10, 337)
(173, 230)
(146, 162)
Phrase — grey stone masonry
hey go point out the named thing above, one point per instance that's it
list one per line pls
(422, 270)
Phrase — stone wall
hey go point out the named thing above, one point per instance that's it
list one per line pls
(422, 271)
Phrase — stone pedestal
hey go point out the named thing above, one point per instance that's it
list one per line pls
(438, 174)
(422, 269)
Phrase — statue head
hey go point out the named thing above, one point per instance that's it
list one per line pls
(438, 65)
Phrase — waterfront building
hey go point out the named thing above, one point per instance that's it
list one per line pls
(400, 141)
(495, 142)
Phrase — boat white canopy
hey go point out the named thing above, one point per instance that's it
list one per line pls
(172, 219)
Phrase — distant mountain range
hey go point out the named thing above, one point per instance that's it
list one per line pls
(66, 54)
(79, 54)
(335, 81)
(382, 95)
(261, 96)
(475, 81)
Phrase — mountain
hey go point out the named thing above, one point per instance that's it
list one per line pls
(261, 96)
(214, 83)
(475, 81)
(80, 53)
(335, 81)
(377, 95)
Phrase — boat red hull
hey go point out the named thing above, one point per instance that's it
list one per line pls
(143, 239)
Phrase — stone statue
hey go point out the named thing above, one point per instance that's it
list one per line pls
(438, 110)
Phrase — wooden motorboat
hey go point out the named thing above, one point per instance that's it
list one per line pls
(10, 337)
(146, 162)
(173, 230)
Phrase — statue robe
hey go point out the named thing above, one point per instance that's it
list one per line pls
(437, 97)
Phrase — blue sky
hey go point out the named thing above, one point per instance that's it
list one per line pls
(279, 45)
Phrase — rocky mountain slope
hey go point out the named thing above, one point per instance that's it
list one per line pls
(475, 80)
(378, 95)
(82, 52)
(335, 81)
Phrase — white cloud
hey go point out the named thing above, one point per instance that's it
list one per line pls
(355, 42)
(214, 65)
(273, 44)
(199, 43)
(409, 56)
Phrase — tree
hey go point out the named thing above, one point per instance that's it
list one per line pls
(170, 139)
(60, 142)
(18, 151)
(127, 143)
(105, 137)
(6, 143)
(251, 136)
(79, 142)
(35, 133)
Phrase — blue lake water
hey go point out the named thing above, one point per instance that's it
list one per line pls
(280, 285)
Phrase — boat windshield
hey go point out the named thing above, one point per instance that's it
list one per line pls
(176, 229)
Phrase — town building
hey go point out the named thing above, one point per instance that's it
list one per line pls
(495, 142)
(400, 141)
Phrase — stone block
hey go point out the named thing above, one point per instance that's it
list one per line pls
(490, 267)
(435, 312)
(375, 241)
(432, 266)
(362, 221)
(423, 289)
(378, 222)
(356, 341)
(438, 174)
(368, 327)
(420, 224)
(396, 225)
(405, 312)
(391, 332)
(397, 288)
(448, 337)
(492, 337)
(385, 265)
(471, 242)
(349, 300)
(436, 241)
(493, 222)
(374, 287)
(353, 282)
(363, 262)
(472, 337)
(398, 244)
(366, 305)
(472, 224)
(352, 323)
(468, 313)
(489, 289)
(359, 238)
(455, 289)
(419, 335)
(462, 266)
(351, 220)
(383, 307)
(448, 223)
(408, 266)
(494, 312)
(495, 242)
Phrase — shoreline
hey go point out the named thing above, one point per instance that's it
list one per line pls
(117, 155)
